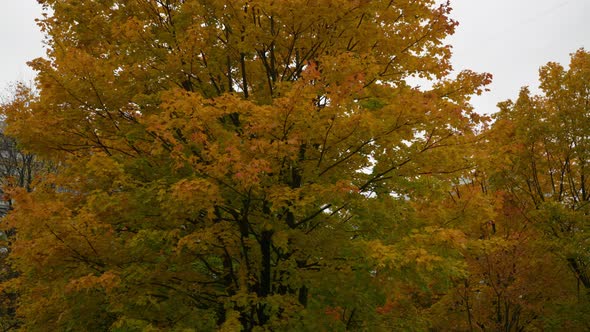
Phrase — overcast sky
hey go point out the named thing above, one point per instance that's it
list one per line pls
(21, 41)
(512, 38)
(509, 38)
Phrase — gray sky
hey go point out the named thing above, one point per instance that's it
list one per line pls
(509, 38)
(21, 41)
(512, 38)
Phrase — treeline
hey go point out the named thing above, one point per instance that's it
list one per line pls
(265, 166)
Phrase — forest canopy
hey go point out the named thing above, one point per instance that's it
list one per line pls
(263, 165)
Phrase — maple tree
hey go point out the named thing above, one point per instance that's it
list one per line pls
(239, 165)
(17, 169)
(514, 281)
(524, 213)
(545, 141)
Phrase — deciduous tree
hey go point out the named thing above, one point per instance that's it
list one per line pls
(226, 164)
(547, 146)
(525, 213)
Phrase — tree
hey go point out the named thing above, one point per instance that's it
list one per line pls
(225, 164)
(17, 169)
(549, 154)
(538, 152)
(513, 282)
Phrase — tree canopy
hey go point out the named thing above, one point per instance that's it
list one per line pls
(265, 165)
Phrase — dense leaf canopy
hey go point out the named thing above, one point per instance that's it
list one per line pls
(266, 165)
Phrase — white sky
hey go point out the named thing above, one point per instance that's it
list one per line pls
(509, 38)
(20, 39)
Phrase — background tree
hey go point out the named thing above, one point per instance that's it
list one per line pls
(17, 169)
(514, 281)
(548, 154)
(528, 210)
(226, 164)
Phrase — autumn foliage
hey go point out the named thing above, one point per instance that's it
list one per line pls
(267, 166)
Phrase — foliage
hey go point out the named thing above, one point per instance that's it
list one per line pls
(547, 157)
(261, 166)
(17, 169)
(254, 165)
(525, 213)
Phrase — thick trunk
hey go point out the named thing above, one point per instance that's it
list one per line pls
(265, 273)
(580, 272)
